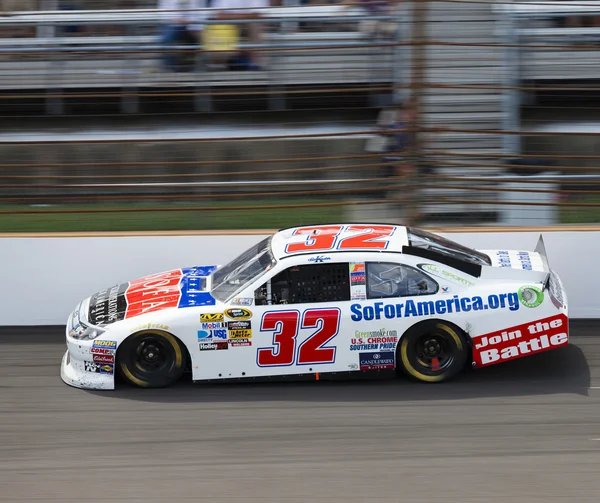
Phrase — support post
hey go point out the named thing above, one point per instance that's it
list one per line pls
(418, 82)
(511, 100)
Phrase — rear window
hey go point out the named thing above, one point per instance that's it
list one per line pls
(425, 240)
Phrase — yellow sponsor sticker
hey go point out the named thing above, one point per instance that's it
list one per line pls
(205, 318)
(240, 334)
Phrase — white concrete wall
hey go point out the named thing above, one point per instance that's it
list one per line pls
(44, 278)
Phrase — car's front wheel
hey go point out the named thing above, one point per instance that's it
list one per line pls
(432, 351)
(151, 359)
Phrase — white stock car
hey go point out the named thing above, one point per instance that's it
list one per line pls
(322, 300)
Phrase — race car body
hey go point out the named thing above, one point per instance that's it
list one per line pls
(319, 300)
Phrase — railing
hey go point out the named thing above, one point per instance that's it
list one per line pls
(59, 65)
(550, 53)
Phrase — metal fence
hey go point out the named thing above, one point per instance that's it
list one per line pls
(97, 135)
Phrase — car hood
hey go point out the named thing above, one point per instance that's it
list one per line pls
(516, 259)
(178, 288)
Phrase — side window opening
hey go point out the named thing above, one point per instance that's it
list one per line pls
(396, 280)
(309, 283)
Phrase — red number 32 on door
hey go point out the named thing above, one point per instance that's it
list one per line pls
(339, 237)
(323, 324)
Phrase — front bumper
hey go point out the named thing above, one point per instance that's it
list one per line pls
(78, 368)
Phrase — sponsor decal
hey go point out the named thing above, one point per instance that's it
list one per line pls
(149, 326)
(357, 267)
(242, 301)
(154, 293)
(104, 358)
(531, 296)
(213, 346)
(214, 317)
(213, 325)
(240, 342)
(238, 313)
(240, 334)
(358, 292)
(319, 259)
(521, 340)
(435, 270)
(91, 367)
(239, 325)
(193, 287)
(204, 334)
(445, 289)
(105, 344)
(503, 258)
(516, 259)
(212, 335)
(525, 260)
(178, 288)
(376, 361)
(377, 340)
(358, 288)
(456, 304)
(219, 334)
(353, 366)
(102, 351)
(107, 368)
(99, 368)
(357, 278)
(108, 305)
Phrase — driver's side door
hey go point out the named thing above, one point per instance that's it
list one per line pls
(299, 318)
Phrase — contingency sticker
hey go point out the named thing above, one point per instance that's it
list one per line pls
(239, 313)
(376, 361)
(358, 283)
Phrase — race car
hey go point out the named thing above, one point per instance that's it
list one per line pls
(314, 301)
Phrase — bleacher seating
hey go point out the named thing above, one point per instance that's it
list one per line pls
(451, 69)
(551, 53)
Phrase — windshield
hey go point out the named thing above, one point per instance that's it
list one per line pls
(428, 241)
(242, 270)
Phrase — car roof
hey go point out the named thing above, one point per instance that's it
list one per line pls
(347, 237)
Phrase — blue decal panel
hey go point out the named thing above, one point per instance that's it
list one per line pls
(192, 293)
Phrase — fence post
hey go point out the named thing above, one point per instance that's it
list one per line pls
(418, 76)
(511, 143)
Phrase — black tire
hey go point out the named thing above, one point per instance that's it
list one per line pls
(151, 359)
(432, 351)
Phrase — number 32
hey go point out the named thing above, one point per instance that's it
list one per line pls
(287, 351)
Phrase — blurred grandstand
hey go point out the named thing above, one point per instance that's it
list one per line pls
(298, 122)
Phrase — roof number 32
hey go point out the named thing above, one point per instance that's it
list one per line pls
(330, 237)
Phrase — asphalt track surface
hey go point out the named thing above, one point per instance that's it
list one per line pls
(524, 431)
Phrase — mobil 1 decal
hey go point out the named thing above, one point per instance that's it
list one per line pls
(108, 305)
(521, 340)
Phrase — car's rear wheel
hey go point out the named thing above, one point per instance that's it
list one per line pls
(432, 351)
(151, 359)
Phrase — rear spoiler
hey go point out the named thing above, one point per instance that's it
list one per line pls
(522, 274)
(541, 249)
